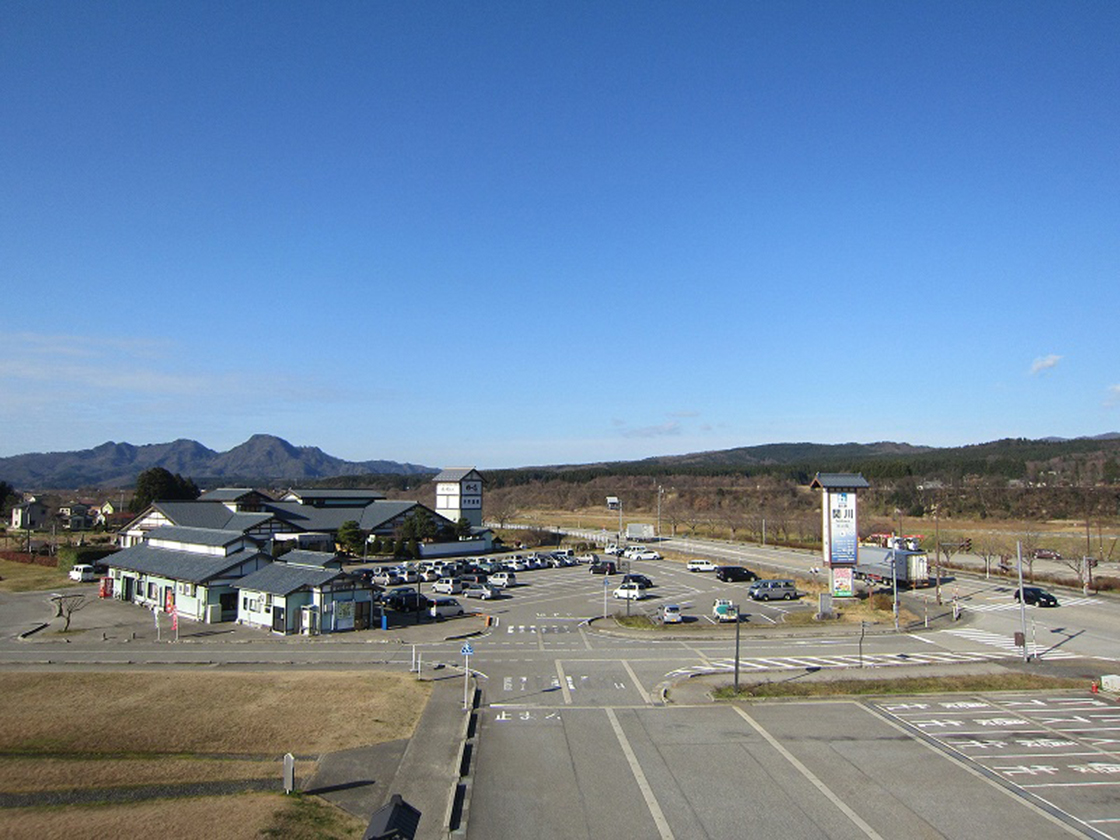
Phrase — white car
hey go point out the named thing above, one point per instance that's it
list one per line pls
(447, 586)
(647, 554)
(502, 579)
(83, 572)
(699, 565)
(630, 591)
(671, 614)
(445, 608)
(480, 590)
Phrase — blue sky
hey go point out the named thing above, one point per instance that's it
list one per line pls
(523, 233)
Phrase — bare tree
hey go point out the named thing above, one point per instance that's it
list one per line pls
(67, 606)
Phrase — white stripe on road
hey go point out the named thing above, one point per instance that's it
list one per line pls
(637, 682)
(564, 680)
(640, 777)
(808, 774)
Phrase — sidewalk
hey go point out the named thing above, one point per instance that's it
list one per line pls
(422, 769)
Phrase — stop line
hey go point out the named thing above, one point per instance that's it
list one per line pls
(801, 663)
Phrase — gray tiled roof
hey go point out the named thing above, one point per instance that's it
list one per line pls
(227, 494)
(212, 537)
(840, 481)
(177, 565)
(369, 518)
(321, 559)
(456, 474)
(359, 497)
(210, 515)
(281, 578)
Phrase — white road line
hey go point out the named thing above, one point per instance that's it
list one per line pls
(808, 774)
(637, 683)
(564, 683)
(640, 777)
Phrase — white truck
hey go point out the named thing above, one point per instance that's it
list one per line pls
(639, 532)
(884, 565)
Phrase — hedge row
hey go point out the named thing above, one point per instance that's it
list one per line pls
(30, 559)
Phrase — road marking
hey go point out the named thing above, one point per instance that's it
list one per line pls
(808, 774)
(637, 683)
(565, 683)
(640, 777)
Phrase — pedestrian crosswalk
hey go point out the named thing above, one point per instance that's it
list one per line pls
(1014, 605)
(801, 663)
(1007, 644)
(543, 629)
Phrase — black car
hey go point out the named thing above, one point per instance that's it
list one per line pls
(406, 599)
(734, 574)
(1037, 596)
(635, 578)
(603, 567)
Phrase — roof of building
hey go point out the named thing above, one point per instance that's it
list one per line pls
(359, 497)
(210, 515)
(175, 564)
(458, 474)
(320, 559)
(839, 481)
(282, 578)
(369, 518)
(229, 494)
(212, 537)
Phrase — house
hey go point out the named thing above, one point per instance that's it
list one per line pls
(29, 515)
(212, 515)
(75, 516)
(305, 592)
(194, 570)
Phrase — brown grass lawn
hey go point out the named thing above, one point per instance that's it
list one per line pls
(210, 818)
(173, 712)
(25, 577)
(107, 729)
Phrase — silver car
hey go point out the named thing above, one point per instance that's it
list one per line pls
(772, 590)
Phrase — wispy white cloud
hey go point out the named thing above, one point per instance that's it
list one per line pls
(1044, 363)
(1113, 396)
(684, 414)
(662, 430)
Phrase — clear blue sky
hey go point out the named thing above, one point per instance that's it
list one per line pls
(520, 233)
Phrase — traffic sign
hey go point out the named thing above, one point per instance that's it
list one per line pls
(467, 649)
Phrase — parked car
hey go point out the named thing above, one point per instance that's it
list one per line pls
(735, 574)
(429, 575)
(83, 572)
(479, 590)
(772, 590)
(410, 601)
(613, 549)
(631, 591)
(385, 577)
(1037, 596)
(503, 580)
(447, 586)
(724, 610)
(603, 567)
(636, 578)
(701, 565)
(647, 554)
(671, 614)
(445, 608)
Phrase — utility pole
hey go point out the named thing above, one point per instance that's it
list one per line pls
(937, 542)
(1022, 601)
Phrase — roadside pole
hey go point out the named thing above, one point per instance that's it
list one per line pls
(1022, 602)
(466, 650)
(894, 589)
(736, 650)
(606, 585)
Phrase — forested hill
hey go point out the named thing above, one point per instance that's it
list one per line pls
(1077, 461)
(260, 459)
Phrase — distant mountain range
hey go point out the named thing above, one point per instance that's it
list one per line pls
(269, 460)
(262, 458)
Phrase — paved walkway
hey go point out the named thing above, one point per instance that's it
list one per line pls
(423, 769)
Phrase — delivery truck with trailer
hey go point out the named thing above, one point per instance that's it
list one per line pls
(884, 565)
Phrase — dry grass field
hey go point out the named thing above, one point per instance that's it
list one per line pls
(119, 729)
(24, 577)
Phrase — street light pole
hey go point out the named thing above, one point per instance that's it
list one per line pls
(736, 649)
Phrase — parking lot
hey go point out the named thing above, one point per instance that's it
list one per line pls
(808, 770)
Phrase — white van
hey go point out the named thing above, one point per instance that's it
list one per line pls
(83, 572)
